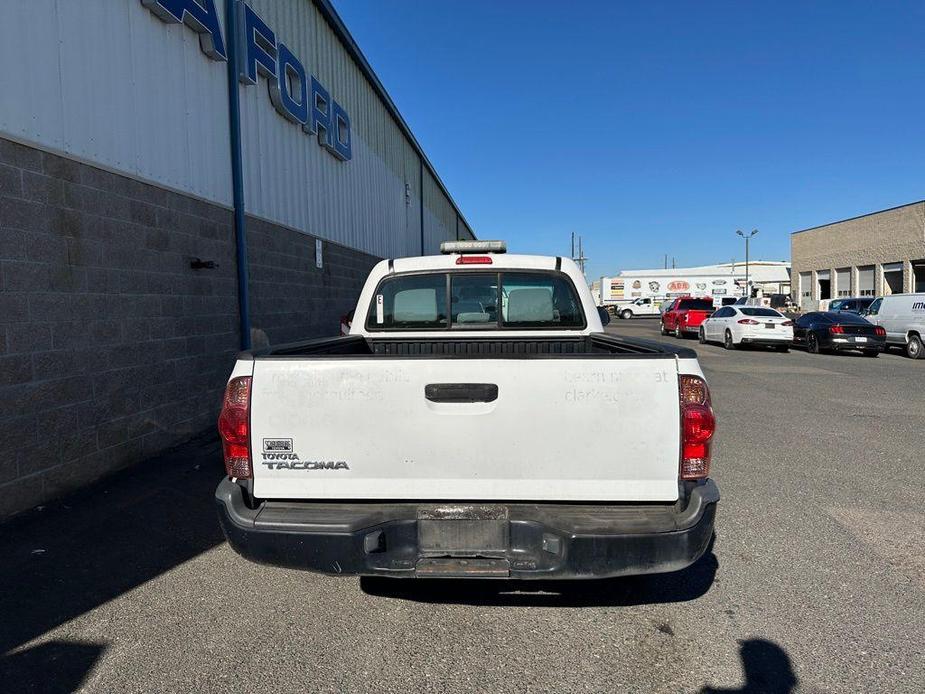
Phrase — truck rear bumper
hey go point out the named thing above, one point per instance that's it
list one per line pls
(452, 540)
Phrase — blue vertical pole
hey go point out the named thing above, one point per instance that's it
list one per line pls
(237, 172)
(421, 201)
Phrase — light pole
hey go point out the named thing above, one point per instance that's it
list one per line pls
(745, 236)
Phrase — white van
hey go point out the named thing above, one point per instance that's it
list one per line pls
(903, 318)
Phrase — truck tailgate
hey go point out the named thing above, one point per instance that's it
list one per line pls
(488, 429)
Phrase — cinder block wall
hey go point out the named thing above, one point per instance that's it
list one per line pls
(112, 348)
(291, 298)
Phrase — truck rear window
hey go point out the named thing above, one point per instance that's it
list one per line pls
(473, 300)
(696, 305)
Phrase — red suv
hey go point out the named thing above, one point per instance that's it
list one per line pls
(684, 315)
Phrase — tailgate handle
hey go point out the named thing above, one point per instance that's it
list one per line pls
(461, 392)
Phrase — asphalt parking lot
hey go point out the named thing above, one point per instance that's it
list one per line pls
(816, 578)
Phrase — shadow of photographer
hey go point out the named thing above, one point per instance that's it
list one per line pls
(767, 667)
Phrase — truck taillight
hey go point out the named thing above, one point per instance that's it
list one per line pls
(697, 427)
(234, 427)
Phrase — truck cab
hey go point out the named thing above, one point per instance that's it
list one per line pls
(466, 427)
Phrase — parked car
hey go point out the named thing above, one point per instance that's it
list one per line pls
(782, 302)
(685, 314)
(346, 322)
(903, 318)
(743, 325)
(638, 307)
(823, 331)
(858, 305)
(465, 428)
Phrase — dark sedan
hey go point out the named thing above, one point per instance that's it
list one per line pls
(824, 331)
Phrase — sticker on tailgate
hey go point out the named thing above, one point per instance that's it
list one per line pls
(277, 445)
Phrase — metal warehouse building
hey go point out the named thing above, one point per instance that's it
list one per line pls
(152, 220)
(871, 255)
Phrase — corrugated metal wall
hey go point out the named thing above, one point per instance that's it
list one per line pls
(110, 83)
(439, 216)
(107, 82)
(291, 180)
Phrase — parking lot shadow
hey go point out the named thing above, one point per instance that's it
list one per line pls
(767, 667)
(82, 551)
(55, 666)
(679, 586)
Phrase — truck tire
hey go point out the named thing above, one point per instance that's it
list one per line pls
(677, 331)
(662, 327)
(626, 314)
(914, 347)
(727, 341)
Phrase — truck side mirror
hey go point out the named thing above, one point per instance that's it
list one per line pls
(604, 314)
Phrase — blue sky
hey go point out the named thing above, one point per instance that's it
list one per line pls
(657, 127)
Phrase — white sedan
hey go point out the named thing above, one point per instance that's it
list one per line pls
(755, 325)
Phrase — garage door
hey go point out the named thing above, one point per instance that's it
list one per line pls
(843, 281)
(892, 278)
(866, 280)
(806, 286)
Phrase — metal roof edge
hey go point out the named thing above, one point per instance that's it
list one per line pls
(858, 216)
(326, 8)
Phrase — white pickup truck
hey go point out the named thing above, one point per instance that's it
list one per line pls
(476, 422)
(638, 307)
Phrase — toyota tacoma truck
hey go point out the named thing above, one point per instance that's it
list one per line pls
(684, 316)
(476, 422)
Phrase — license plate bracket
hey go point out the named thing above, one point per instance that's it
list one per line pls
(463, 531)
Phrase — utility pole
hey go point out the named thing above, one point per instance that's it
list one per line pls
(747, 237)
(673, 266)
(666, 261)
(581, 257)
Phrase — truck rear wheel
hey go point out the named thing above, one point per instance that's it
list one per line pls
(914, 347)
(663, 330)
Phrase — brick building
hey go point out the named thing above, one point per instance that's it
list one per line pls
(153, 220)
(871, 255)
